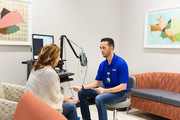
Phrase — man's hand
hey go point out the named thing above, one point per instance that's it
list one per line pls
(76, 88)
(100, 90)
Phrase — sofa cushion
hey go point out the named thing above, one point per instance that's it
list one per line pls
(1, 91)
(150, 94)
(173, 99)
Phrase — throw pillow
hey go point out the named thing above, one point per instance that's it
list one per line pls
(1, 91)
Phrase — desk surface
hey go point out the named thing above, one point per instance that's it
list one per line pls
(25, 62)
(65, 77)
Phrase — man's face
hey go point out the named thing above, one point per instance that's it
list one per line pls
(105, 49)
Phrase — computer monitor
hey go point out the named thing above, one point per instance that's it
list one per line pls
(38, 42)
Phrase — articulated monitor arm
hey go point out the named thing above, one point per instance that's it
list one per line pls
(61, 44)
(82, 56)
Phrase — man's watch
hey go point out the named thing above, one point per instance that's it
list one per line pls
(82, 87)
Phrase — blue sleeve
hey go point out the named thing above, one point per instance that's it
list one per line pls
(123, 73)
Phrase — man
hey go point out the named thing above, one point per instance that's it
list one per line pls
(113, 72)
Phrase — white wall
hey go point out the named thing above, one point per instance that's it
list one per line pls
(84, 22)
(139, 59)
(11, 69)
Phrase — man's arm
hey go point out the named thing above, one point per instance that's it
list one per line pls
(93, 84)
(118, 88)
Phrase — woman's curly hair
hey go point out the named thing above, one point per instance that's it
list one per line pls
(47, 56)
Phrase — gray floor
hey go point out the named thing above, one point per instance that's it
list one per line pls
(134, 114)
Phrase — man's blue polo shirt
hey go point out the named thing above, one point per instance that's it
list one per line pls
(113, 74)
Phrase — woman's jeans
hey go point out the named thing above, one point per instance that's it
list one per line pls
(69, 110)
(101, 100)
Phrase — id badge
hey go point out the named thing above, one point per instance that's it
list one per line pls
(108, 80)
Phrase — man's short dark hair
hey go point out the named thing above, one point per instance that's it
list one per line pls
(109, 40)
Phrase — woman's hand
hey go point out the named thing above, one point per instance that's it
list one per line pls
(71, 99)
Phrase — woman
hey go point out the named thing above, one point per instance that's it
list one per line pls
(44, 82)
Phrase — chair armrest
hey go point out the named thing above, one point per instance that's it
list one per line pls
(31, 107)
(7, 110)
(13, 92)
(146, 80)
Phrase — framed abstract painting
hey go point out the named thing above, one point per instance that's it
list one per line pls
(15, 22)
(162, 28)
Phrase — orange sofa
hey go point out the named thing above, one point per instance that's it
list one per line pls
(158, 93)
(30, 107)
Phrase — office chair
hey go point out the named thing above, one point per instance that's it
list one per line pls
(127, 102)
